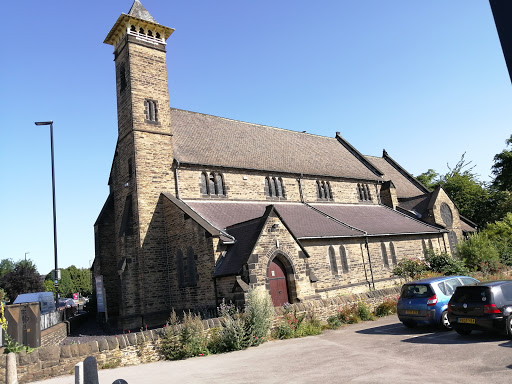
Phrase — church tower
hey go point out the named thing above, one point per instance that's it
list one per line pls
(142, 163)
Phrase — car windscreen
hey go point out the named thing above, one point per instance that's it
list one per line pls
(471, 294)
(411, 291)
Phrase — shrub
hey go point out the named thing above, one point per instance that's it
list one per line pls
(348, 314)
(185, 339)
(308, 327)
(287, 326)
(259, 312)
(364, 311)
(444, 263)
(476, 250)
(235, 332)
(385, 308)
(409, 268)
(334, 322)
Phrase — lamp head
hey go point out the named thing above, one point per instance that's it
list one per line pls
(44, 122)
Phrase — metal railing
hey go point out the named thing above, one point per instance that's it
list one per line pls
(50, 319)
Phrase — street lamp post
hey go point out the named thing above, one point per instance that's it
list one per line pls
(56, 280)
(25, 273)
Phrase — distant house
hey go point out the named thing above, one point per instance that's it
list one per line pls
(202, 208)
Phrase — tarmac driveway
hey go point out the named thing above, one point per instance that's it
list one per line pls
(381, 351)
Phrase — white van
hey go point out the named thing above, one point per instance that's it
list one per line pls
(45, 299)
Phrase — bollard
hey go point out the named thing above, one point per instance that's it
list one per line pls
(11, 375)
(79, 373)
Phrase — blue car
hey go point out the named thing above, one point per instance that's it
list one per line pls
(426, 301)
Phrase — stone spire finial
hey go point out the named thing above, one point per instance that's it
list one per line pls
(137, 10)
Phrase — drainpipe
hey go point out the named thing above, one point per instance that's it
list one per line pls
(369, 258)
(176, 181)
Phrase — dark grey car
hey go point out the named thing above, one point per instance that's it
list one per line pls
(484, 306)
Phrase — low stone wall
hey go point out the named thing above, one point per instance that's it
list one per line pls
(142, 347)
(324, 308)
(54, 335)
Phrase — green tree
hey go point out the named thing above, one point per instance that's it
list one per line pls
(429, 179)
(82, 280)
(468, 193)
(72, 280)
(500, 233)
(502, 169)
(479, 253)
(24, 278)
(6, 265)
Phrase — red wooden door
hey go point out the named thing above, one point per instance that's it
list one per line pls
(277, 280)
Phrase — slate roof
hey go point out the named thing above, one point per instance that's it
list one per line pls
(405, 187)
(246, 235)
(216, 141)
(317, 220)
(301, 219)
(376, 219)
(137, 10)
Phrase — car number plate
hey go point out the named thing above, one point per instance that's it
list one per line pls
(411, 312)
(466, 320)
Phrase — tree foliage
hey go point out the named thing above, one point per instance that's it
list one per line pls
(475, 200)
(502, 169)
(73, 280)
(23, 278)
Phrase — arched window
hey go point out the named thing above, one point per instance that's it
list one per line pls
(393, 253)
(191, 272)
(323, 190)
(212, 184)
(363, 191)
(424, 246)
(328, 191)
(274, 187)
(385, 259)
(150, 33)
(157, 35)
(180, 269)
(204, 184)
(141, 30)
(344, 260)
(430, 245)
(219, 184)
(151, 110)
(133, 29)
(279, 187)
(368, 196)
(332, 261)
(272, 184)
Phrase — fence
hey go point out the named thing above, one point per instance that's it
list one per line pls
(48, 320)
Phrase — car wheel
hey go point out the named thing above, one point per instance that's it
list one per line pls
(445, 323)
(463, 331)
(410, 324)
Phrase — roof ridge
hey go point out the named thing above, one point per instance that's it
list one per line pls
(255, 124)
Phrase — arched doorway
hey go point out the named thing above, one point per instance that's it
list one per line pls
(277, 282)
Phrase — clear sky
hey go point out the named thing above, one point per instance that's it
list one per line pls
(426, 80)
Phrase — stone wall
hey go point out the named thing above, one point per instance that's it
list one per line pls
(54, 335)
(143, 347)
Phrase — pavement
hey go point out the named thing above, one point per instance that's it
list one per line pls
(381, 351)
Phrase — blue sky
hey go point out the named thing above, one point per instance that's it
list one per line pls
(425, 80)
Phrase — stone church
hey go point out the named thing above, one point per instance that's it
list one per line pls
(202, 208)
